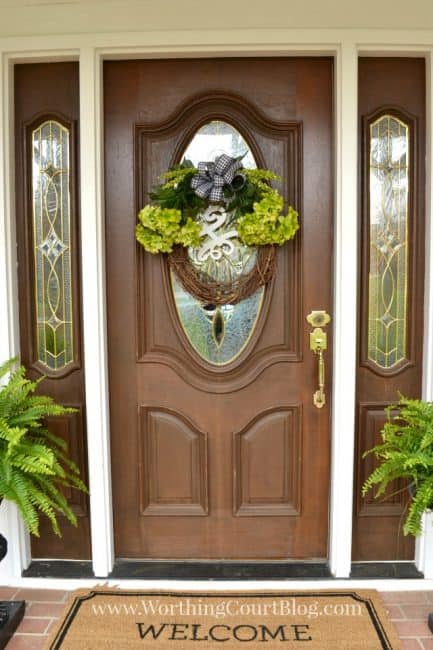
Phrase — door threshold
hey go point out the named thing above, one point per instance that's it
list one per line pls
(75, 569)
(183, 570)
(403, 570)
(219, 570)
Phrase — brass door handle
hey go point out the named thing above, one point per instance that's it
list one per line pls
(318, 344)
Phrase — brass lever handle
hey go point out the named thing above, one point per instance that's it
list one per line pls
(319, 343)
(319, 397)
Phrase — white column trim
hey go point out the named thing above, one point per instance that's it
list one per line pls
(345, 312)
(424, 543)
(9, 327)
(424, 546)
(11, 524)
(94, 311)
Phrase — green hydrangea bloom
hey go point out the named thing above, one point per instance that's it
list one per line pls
(189, 234)
(266, 224)
(152, 241)
(159, 229)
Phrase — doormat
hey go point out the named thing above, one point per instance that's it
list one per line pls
(116, 619)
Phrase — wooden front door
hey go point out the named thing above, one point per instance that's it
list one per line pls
(218, 460)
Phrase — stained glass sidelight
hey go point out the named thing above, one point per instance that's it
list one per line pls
(219, 333)
(388, 273)
(52, 241)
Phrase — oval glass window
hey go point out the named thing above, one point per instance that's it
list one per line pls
(219, 333)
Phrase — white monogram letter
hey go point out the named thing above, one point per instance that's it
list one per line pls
(214, 245)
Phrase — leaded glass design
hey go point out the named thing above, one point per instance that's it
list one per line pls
(389, 189)
(52, 240)
(219, 333)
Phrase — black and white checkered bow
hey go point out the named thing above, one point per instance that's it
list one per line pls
(213, 176)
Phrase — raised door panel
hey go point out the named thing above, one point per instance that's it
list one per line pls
(393, 503)
(267, 465)
(172, 465)
(70, 428)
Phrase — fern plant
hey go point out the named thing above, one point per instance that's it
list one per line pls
(34, 465)
(406, 452)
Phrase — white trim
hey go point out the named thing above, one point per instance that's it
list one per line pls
(11, 525)
(345, 310)
(427, 387)
(199, 42)
(424, 544)
(9, 327)
(94, 310)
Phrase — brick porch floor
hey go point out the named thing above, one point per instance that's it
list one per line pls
(407, 610)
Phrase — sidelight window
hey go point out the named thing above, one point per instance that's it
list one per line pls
(388, 264)
(51, 205)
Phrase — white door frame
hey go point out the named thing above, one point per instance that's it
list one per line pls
(90, 50)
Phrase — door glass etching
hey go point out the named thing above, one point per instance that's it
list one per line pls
(388, 267)
(52, 245)
(219, 333)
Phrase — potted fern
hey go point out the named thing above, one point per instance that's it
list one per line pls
(34, 466)
(406, 452)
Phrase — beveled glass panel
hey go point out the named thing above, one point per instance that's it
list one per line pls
(215, 138)
(388, 272)
(219, 333)
(52, 240)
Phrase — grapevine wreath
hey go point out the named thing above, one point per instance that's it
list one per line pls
(197, 213)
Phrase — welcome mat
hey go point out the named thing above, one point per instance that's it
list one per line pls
(117, 619)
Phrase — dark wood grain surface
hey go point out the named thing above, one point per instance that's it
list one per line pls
(209, 462)
(50, 91)
(394, 86)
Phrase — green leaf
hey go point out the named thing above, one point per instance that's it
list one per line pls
(406, 452)
(34, 465)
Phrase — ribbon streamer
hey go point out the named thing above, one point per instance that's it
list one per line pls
(213, 176)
